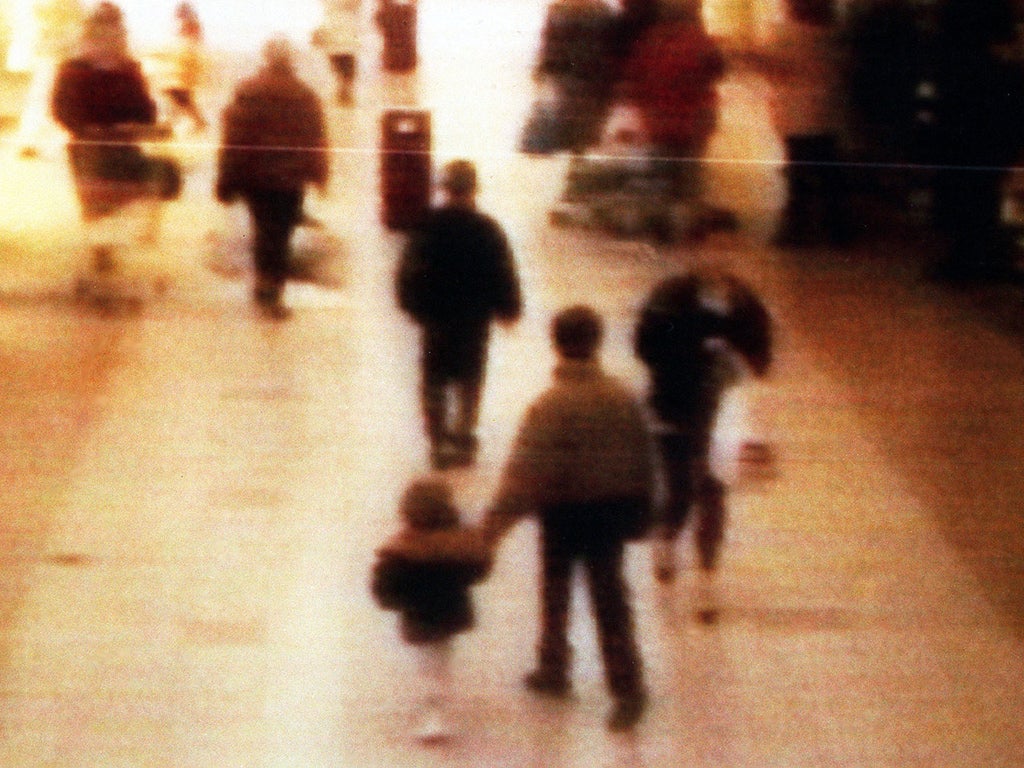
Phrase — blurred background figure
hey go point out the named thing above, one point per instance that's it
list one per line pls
(632, 21)
(338, 37)
(57, 27)
(184, 68)
(979, 114)
(672, 76)
(885, 47)
(274, 144)
(888, 135)
(698, 333)
(801, 63)
(575, 60)
(102, 98)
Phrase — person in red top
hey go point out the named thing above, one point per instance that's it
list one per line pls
(103, 86)
(671, 76)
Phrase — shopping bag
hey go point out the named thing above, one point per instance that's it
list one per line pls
(165, 177)
(742, 454)
(317, 253)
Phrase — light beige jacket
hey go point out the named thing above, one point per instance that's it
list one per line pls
(583, 440)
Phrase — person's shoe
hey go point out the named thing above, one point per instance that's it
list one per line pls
(664, 560)
(627, 712)
(706, 597)
(548, 683)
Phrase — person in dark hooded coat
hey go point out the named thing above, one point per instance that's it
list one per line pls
(274, 144)
(691, 329)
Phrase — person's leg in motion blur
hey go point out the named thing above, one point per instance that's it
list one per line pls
(275, 214)
(615, 630)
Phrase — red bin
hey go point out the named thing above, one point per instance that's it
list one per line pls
(405, 167)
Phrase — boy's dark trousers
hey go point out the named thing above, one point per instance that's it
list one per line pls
(571, 534)
(690, 485)
(454, 354)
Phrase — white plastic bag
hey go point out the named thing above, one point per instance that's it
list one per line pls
(742, 452)
(317, 253)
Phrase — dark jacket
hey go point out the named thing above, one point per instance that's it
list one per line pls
(89, 97)
(425, 576)
(274, 137)
(458, 267)
(676, 339)
(576, 57)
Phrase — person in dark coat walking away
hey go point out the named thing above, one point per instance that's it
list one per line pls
(456, 276)
(274, 145)
(424, 572)
(582, 463)
(691, 329)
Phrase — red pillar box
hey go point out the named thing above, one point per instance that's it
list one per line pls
(405, 167)
(397, 20)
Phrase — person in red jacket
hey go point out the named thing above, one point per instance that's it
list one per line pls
(102, 99)
(274, 144)
(672, 76)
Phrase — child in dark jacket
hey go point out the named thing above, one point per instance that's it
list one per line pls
(424, 572)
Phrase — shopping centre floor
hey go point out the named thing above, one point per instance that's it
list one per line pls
(192, 494)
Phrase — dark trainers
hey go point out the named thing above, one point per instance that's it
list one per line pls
(627, 712)
(547, 684)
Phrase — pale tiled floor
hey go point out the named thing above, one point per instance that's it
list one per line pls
(192, 496)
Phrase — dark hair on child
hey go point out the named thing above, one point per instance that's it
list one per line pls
(577, 332)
